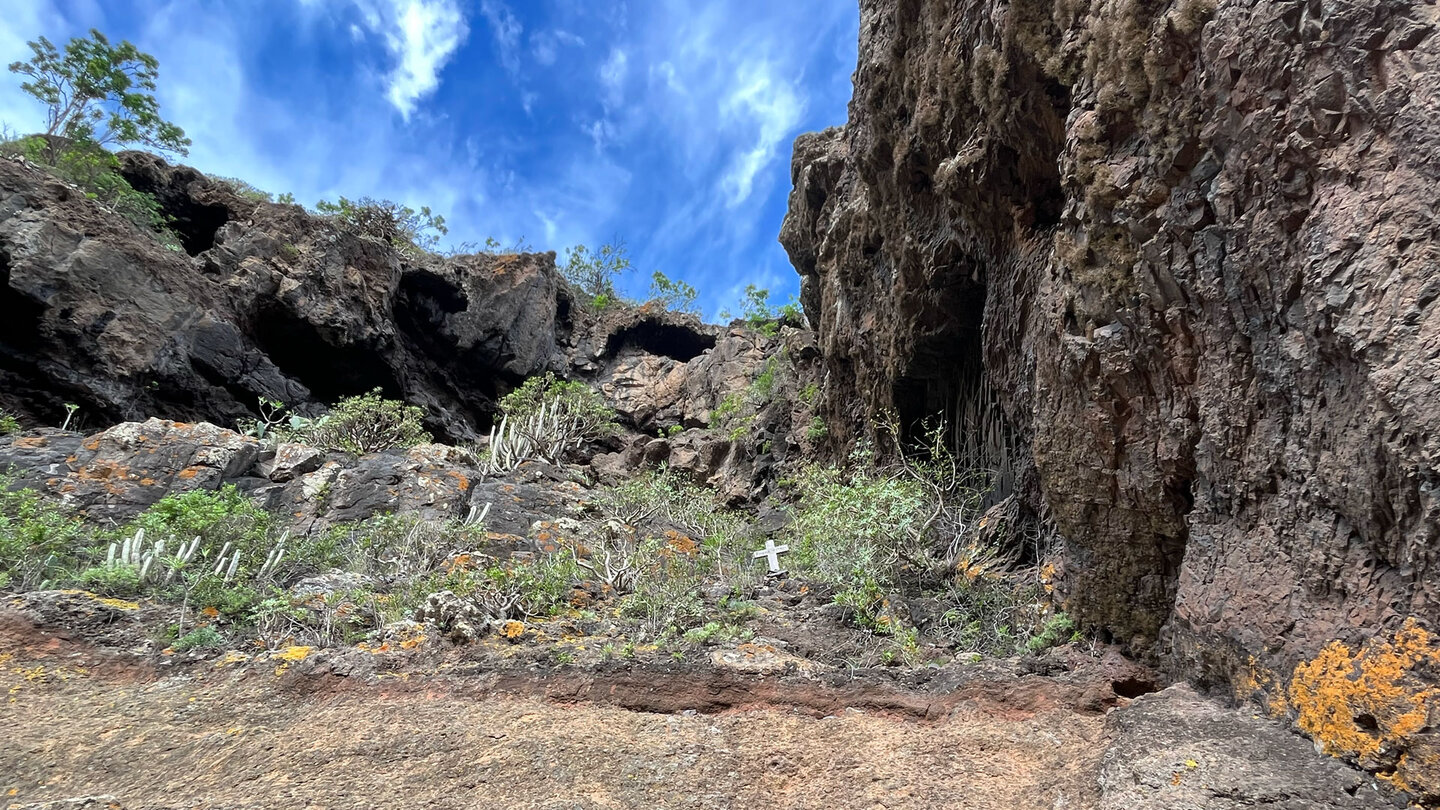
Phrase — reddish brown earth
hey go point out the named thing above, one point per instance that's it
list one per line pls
(85, 723)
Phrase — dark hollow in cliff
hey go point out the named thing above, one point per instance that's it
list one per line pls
(194, 220)
(331, 371)
(654, 337)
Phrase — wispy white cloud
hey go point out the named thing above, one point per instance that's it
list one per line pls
(769, 110)
(421, 36)
(507, 31)
(612, 76)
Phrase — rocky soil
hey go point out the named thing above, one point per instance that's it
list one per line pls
(1191, 246)
(90, 725)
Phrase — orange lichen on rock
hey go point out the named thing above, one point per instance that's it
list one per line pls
(680, 543)
(1256, 683)
(513, 630)
(1370, 704)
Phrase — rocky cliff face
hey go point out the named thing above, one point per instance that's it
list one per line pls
(268, 301)
(1190, 246)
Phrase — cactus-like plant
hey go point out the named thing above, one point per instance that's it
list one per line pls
(152, 565)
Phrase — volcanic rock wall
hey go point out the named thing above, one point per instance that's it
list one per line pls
(267, 300)
(1194, 245)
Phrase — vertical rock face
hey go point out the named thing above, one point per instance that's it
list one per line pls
(1193, 245)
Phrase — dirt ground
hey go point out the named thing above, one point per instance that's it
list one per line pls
(81, 722)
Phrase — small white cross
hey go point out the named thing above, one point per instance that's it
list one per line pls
(771, 553)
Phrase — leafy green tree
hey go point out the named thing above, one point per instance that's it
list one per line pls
(757, 310)
(100, 93)
(674, 294)
(596, 272)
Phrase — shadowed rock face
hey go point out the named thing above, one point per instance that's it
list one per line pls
(1193, 246)
(263, 301)
(268, 301)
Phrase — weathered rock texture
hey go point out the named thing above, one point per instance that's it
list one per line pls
(269, 301)
(1194, 246)
(1174, 749)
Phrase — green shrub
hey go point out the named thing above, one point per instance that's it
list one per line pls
(96, 171)
(672, 294)
(762, 316)
(201, 638)
(850, 529)
(40, 543)
(1056, 630)
(410, 231)
(817, 429)
(335, 618)
(544, 419)
(232, 600)
(573, 399)
(8, 423)
(762, 388)
(991, 615)
(403, 546)
(368, 423)
(718, 633)
(111, 580)
(728, 409)
(244, 190)
(217, 517)
(517, 588)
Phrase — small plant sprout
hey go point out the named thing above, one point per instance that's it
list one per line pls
(270, 411)
(70, 409)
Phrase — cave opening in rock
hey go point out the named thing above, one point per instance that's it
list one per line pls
(330, 371)
(424, 306)
(945, 387)
(430, 298)
(194, 222)
(669, 340)
(197, 224)
(19, 316)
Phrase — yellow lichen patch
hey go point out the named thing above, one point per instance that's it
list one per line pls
(1367, 704)
(679, 543)
(294, 653)
(115, 604)
(412, 643)
(513, 629)
(231, 657)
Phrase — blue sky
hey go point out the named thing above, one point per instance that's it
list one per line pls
(665, 123)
